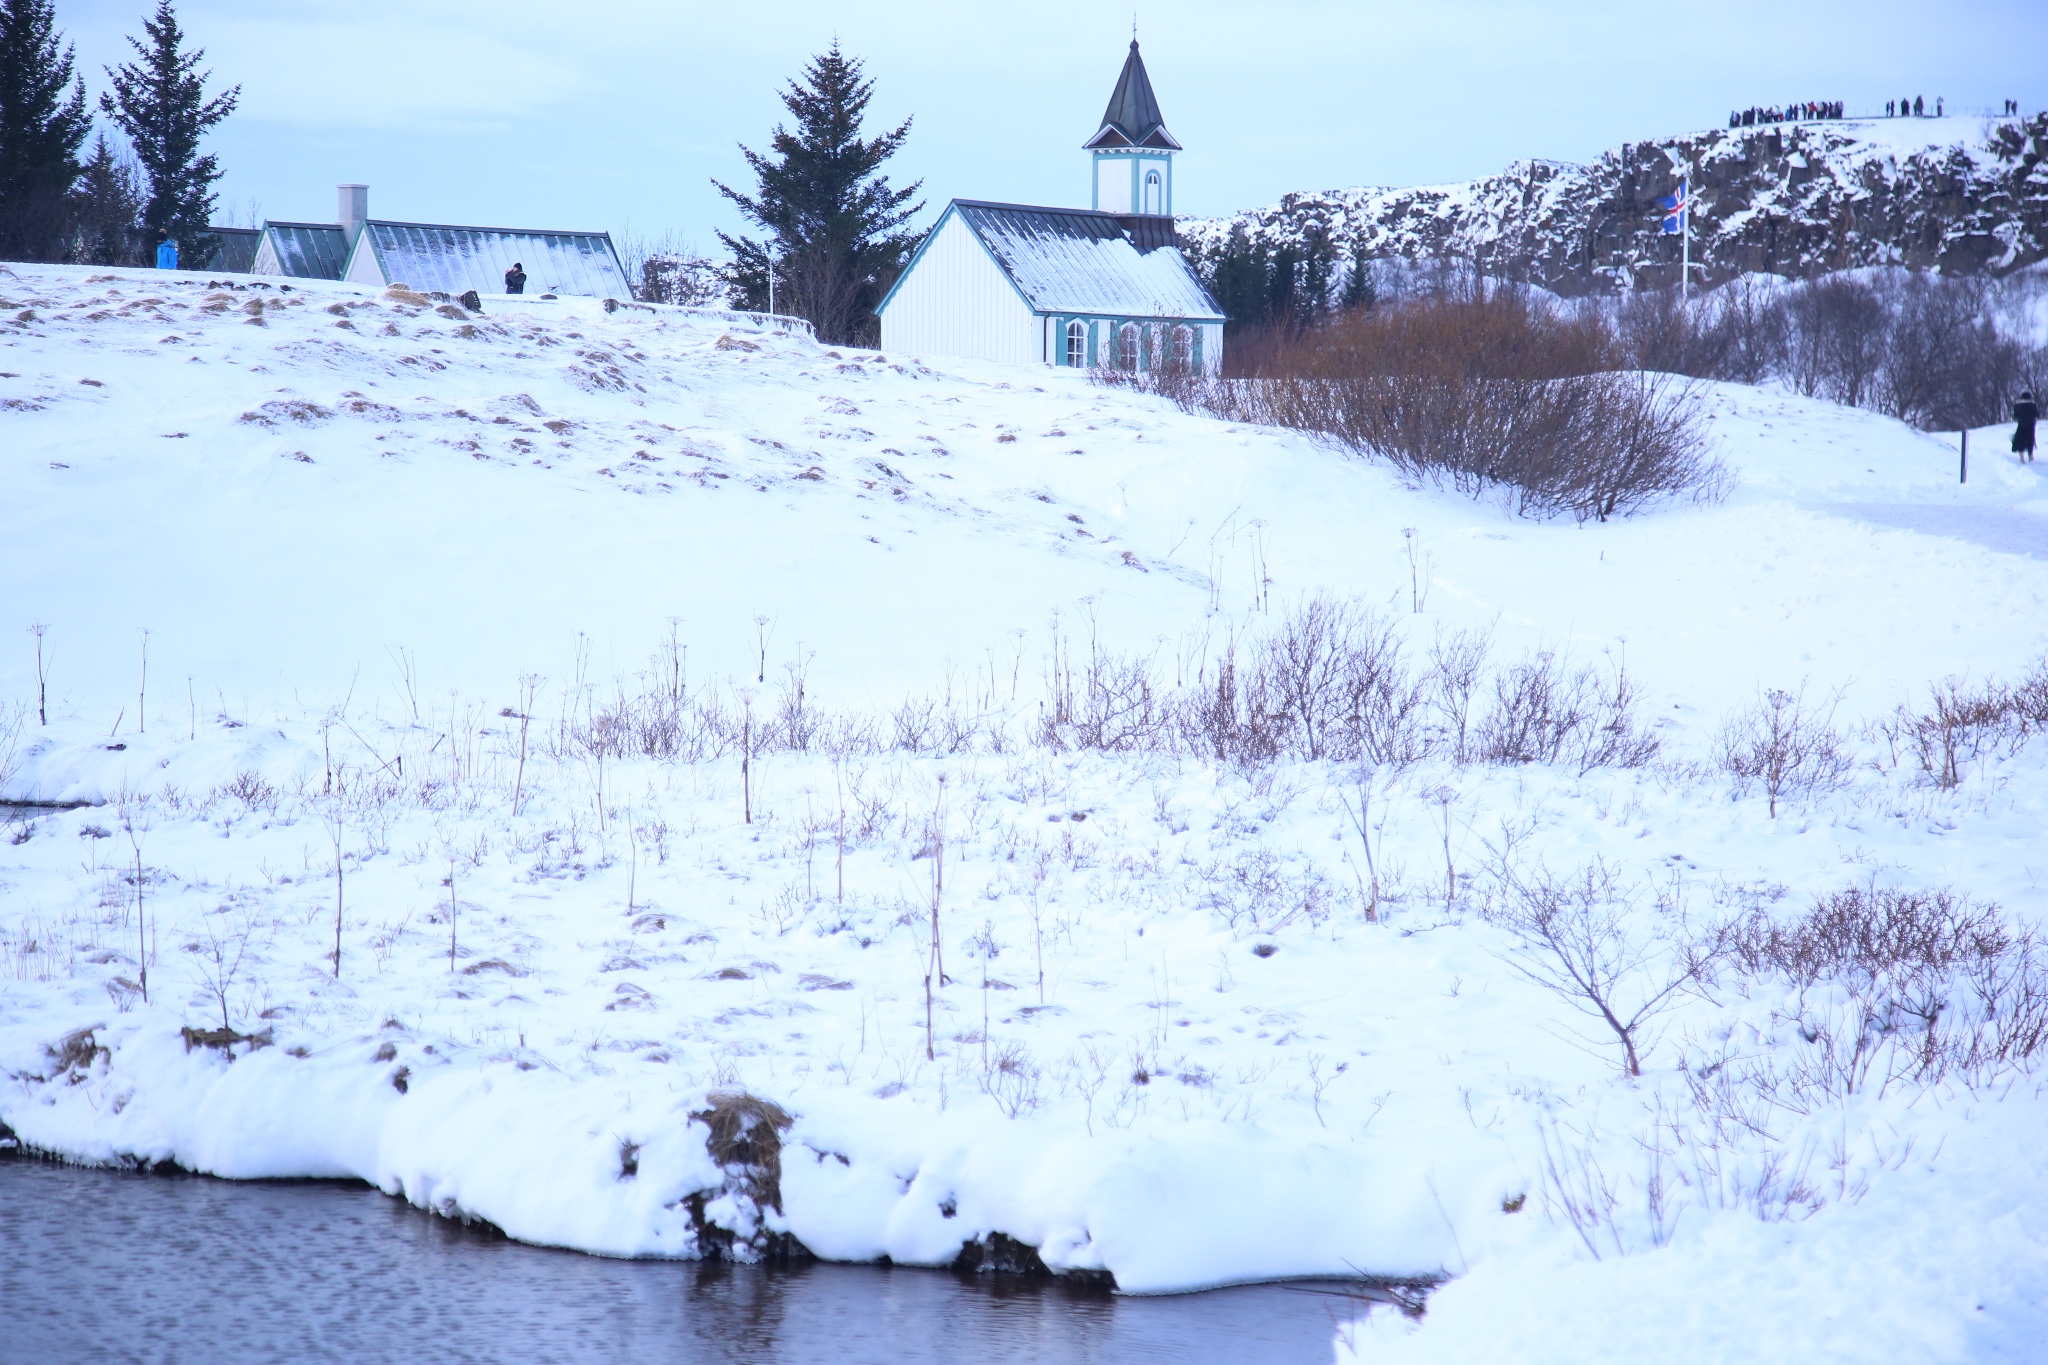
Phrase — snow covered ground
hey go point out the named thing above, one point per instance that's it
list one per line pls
(422, 590)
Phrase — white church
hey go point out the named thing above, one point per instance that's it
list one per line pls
(1106, 285)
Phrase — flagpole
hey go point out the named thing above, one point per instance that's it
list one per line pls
(1685, 239)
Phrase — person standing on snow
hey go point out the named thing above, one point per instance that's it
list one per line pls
(515, 279)
(2024, 415)
(166, 252)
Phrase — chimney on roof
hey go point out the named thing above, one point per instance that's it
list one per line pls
(355, 207)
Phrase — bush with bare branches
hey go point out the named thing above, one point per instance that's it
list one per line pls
(1965, 723)
(1892, 986)
(1487, 392)
(1545, 711)
(1584, 939)
(1784, 746)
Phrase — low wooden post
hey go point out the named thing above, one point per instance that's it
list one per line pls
(1966, 459)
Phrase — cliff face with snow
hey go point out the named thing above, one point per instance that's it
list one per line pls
(1962, 195)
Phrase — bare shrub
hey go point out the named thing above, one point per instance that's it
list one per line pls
(1579, 937)
(1255, 889)
(1545, 711)
(1840, 328)
(1113, 706)
(1485, 392)
(13, 719)
(1963, 724)
(1666, 331)
(1332, 677)
(667, 269)
(1229, 719)
(1303, 666)
(1947, 364)
(1751, 322)
(249, 788)
(1894, 985)
(1456, 662)
(1012, 1080)
(1784, 746)
(218, 958)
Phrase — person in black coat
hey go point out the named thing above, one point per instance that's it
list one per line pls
(2024, 415)
(515, 279)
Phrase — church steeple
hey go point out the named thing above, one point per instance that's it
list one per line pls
(1133, 152)
(1133, 119)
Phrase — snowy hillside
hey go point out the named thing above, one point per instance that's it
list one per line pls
(559, 723)
(1966, 195)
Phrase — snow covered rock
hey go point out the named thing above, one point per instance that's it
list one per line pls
(1966, 195)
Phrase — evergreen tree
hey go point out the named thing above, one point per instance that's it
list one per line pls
(43, 123)
(107, 208)
(160, 103)
(1240, 276)
(1361, 284)
(1309, 303)
(833, 221)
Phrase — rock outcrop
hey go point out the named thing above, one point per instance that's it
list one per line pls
(1965, 196)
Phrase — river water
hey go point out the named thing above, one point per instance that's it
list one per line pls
(105, 1266)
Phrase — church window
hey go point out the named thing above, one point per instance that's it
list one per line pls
(1077, 343)
(1127, 346)
(1155, 193)
(1182, 355)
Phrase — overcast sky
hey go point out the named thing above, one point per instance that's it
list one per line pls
(617, 113)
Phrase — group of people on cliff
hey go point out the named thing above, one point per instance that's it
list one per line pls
(1915, 107)
(1787, 113)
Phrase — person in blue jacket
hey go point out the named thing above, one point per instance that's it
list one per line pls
(166, 253)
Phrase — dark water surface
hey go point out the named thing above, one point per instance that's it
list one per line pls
(103, 1266)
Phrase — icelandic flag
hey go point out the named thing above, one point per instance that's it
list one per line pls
(1676, 206)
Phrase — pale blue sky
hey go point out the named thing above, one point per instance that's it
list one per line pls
(615, 113)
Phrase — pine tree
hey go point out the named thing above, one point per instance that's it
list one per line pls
(834, 223)
(107, 208)
(1361, 283)
(160, 103)
(1240, 275)
(42, 126)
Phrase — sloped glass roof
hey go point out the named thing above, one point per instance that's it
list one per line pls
(456, 259)
(308, 251)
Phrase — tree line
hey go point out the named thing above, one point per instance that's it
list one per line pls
(832, 232)
(146, 182)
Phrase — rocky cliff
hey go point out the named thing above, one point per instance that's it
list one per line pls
(1961, 195)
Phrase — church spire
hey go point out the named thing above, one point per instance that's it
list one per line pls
(1132, 118)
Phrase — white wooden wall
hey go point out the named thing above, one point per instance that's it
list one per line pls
(362, 264)
(1113, 184)
(956, 301)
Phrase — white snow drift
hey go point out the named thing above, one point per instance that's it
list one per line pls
(399, 567)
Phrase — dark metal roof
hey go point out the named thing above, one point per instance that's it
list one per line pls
(1084, 261)
(1133, 118)
(1148, 231)
(308, 251)
(237, 250)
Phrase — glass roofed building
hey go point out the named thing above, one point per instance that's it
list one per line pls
(455, 260)
(1106, 285)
